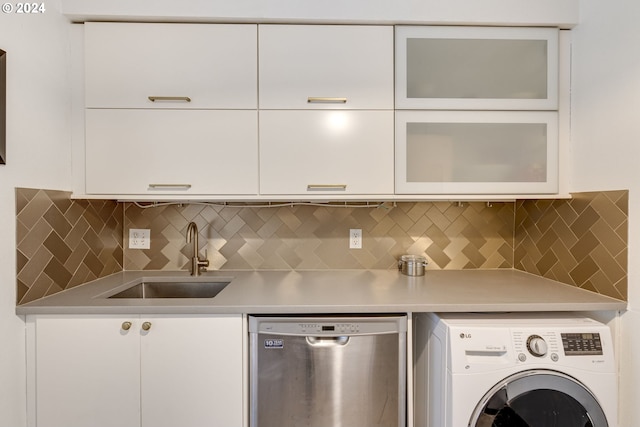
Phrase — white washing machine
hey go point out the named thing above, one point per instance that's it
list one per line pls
(513, 370)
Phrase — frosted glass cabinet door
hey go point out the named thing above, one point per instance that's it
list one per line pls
(480, 152)
(484, 68)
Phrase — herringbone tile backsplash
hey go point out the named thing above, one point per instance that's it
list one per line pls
(581, 241)
(62, 243)
(449, 235)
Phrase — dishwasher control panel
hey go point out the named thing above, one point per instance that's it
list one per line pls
(323, 328)
(329, 326)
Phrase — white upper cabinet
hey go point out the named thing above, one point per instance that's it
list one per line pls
(335, 153)
(476, 152)
(311, 110)
(179, 152)
(476, 68)
(171, 109)
(326, 67)
(154, 65)
(326, 110)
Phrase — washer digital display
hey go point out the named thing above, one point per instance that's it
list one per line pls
(582, 344)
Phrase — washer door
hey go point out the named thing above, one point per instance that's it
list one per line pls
(538, 398)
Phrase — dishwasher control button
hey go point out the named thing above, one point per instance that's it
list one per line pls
(348, 328)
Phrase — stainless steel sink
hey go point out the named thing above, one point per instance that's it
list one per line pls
(173, 289)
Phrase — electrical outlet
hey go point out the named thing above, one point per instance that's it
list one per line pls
(139, 238)
(355, 238)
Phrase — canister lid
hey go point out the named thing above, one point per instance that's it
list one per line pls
(413, 258)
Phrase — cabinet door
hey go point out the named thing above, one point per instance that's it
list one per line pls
(481, 152)
(87, 372)
(150, 65)
(326, 152)
(159, 152)
(326, 67)
(471, 68)
(192, 371)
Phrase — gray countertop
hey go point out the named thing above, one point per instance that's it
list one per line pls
(334, 291)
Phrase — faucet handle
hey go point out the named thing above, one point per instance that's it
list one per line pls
(204, 263)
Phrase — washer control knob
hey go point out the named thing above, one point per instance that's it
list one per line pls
(522, 357)
(537, 346)
(554, 357)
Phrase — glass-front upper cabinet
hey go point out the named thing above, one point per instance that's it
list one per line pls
(476, 152)
(476, 68)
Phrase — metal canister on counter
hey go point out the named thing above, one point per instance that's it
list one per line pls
(412, 265)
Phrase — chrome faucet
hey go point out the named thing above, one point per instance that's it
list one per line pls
(197, 264)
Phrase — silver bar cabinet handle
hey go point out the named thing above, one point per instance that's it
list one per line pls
(169, 186)
(326, 187)
(326, 100)
(170, 98)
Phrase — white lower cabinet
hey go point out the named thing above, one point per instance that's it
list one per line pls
(327, 152)
(169, 152)
(107, 371)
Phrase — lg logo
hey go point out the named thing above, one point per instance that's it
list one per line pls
(463, 335)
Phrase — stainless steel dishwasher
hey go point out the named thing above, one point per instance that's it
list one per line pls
(347, 371)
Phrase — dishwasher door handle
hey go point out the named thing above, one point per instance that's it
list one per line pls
(327, 341)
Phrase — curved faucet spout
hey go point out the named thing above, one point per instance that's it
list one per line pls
(197, 265)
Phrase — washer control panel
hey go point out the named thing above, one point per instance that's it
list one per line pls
(541, 344)
(582, 344)
(483, 343)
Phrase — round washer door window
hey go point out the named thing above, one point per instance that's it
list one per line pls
(538, 398)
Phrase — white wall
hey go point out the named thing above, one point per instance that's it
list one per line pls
(38, 155)
(606, 143)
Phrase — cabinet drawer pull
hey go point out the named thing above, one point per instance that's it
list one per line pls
(169, 186)
(326, 100)
(146, 326)
(170, 98)
(326, 187)
(126, 326)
